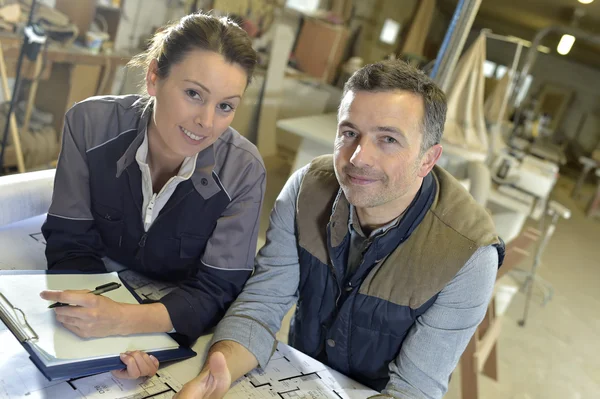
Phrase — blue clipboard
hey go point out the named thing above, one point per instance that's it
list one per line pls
(87, 367)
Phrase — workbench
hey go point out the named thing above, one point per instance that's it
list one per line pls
(66, 75)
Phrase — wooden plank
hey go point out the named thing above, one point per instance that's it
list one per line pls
(10, 157)
(32, 93)
(28, 69)
(468, 370)
(594, 203)
(83, 83)
(71, 55)
(490, 367)
(56, 102)
(16, 140)
(485, 345)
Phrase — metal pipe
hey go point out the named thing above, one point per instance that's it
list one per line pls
(444, 47)
(454, 42)
(510, 39)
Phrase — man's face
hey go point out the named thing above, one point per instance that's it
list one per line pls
(377, 149)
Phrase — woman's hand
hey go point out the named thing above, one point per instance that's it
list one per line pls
(92, 316)
(139, 364)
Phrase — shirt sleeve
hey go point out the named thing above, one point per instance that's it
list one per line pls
(437, 340)
(255, 316)
(73, 242)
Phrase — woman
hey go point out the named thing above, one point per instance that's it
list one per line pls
(161, 184)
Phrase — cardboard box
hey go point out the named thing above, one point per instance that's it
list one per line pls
(320, 48)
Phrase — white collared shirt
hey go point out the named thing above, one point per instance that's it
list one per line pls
(155, 202)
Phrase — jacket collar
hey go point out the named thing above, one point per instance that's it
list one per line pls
(414, 214)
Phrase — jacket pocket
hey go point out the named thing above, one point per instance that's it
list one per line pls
(109, 223)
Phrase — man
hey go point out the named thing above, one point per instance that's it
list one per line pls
(390, 261)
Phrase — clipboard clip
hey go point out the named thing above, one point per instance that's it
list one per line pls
(16, 321)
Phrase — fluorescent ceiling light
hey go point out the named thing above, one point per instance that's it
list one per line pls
(585, 1)
(566, 42)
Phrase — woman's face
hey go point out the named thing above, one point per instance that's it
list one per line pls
(195, 103)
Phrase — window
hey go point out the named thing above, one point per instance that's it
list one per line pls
(497, 71)
(524, 89)
(500, 71)
(489, 68)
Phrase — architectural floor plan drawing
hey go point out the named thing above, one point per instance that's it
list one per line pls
(161, 386)
(19, 378)
(293, 375)
(145, 287)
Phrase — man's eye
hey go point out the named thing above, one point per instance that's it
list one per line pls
(350, 134)
(389, 140)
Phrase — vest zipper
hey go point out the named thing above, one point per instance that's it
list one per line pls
(337, 284)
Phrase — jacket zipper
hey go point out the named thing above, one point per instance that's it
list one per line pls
(142, 242)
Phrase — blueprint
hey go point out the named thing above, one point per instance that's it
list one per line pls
(293, 375)
(289, 375)
(19, 378)
(106, 386)
(22, 245)
(145, 287)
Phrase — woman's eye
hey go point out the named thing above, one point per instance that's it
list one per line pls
(192, 94)
(225, 107)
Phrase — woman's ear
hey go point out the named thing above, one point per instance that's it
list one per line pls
(152, 78)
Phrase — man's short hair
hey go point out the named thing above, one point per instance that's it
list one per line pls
(398, 75)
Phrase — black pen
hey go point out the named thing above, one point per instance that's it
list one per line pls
(98, 291)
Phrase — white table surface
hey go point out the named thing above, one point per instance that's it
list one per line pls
(317, 133)
(318, 128)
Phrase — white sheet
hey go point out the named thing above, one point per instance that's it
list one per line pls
(56, 344)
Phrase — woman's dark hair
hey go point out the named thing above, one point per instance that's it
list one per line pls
(198, 31)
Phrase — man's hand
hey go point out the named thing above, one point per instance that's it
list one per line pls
(212, 383)
(139, 364)
(93, 315)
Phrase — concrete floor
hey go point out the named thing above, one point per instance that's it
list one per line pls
(557, 354)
